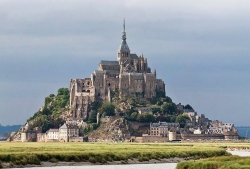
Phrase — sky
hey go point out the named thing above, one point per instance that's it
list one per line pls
(199, 48)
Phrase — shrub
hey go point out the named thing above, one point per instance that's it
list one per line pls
(92, 159)
(107, 108)
(63, 91)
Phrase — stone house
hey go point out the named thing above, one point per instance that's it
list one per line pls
(163, 128)
(66, 131)
(52, 134)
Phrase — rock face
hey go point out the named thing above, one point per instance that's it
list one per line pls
(115, 129)
(129, 75)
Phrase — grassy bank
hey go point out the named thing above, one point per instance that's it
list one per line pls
(228, 162)
(34, 153)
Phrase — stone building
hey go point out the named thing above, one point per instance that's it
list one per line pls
(68, 131)
(163, 128)
(28, 135)
(52, 134)
(129, 75)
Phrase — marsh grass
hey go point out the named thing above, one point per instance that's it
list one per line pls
(228, 162)
(35, 153)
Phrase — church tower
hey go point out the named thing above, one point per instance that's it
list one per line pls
(123, 54)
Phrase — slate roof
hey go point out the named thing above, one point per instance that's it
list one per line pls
(68, 126)
(106, 62)
(124, 46)
(164, 124)
(133, 56)
(145, 109)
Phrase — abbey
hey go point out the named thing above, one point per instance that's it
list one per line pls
(130, 75)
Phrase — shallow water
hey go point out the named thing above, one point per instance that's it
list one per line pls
(240, 153)
(127, 166)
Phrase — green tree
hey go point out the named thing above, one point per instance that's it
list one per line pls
(92, 118)
(107, 108)
(154, 100)
(134, 115)
(46, 111)
(169, 108)
(63, 91)
(167, 99)
(173, 119)
(159, 103)
(48, 100)
(164, 118)
(95, 105)
(182, 119)
(188, 107)
(146, 117)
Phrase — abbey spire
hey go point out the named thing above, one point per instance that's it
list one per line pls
(124, 32)
(123, 51)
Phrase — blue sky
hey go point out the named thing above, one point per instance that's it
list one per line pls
(199, 48)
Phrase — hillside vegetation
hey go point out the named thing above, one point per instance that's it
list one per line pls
(51, 114)
(55, 111)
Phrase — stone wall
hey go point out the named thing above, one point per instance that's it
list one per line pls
(154, 139)
(76, 139)
(202, 136)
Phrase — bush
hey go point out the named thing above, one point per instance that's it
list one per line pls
(145, 117)
(108, 109)
(63, 91)
(95, 126)
(92, 159)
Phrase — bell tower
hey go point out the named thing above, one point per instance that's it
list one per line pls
(123, 54)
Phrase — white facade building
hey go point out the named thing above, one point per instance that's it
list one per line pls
(52, 134)
(163, 128)
(67, 131)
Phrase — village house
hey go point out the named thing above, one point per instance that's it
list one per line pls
(68, 131)
(163, 128)
(52, 134)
